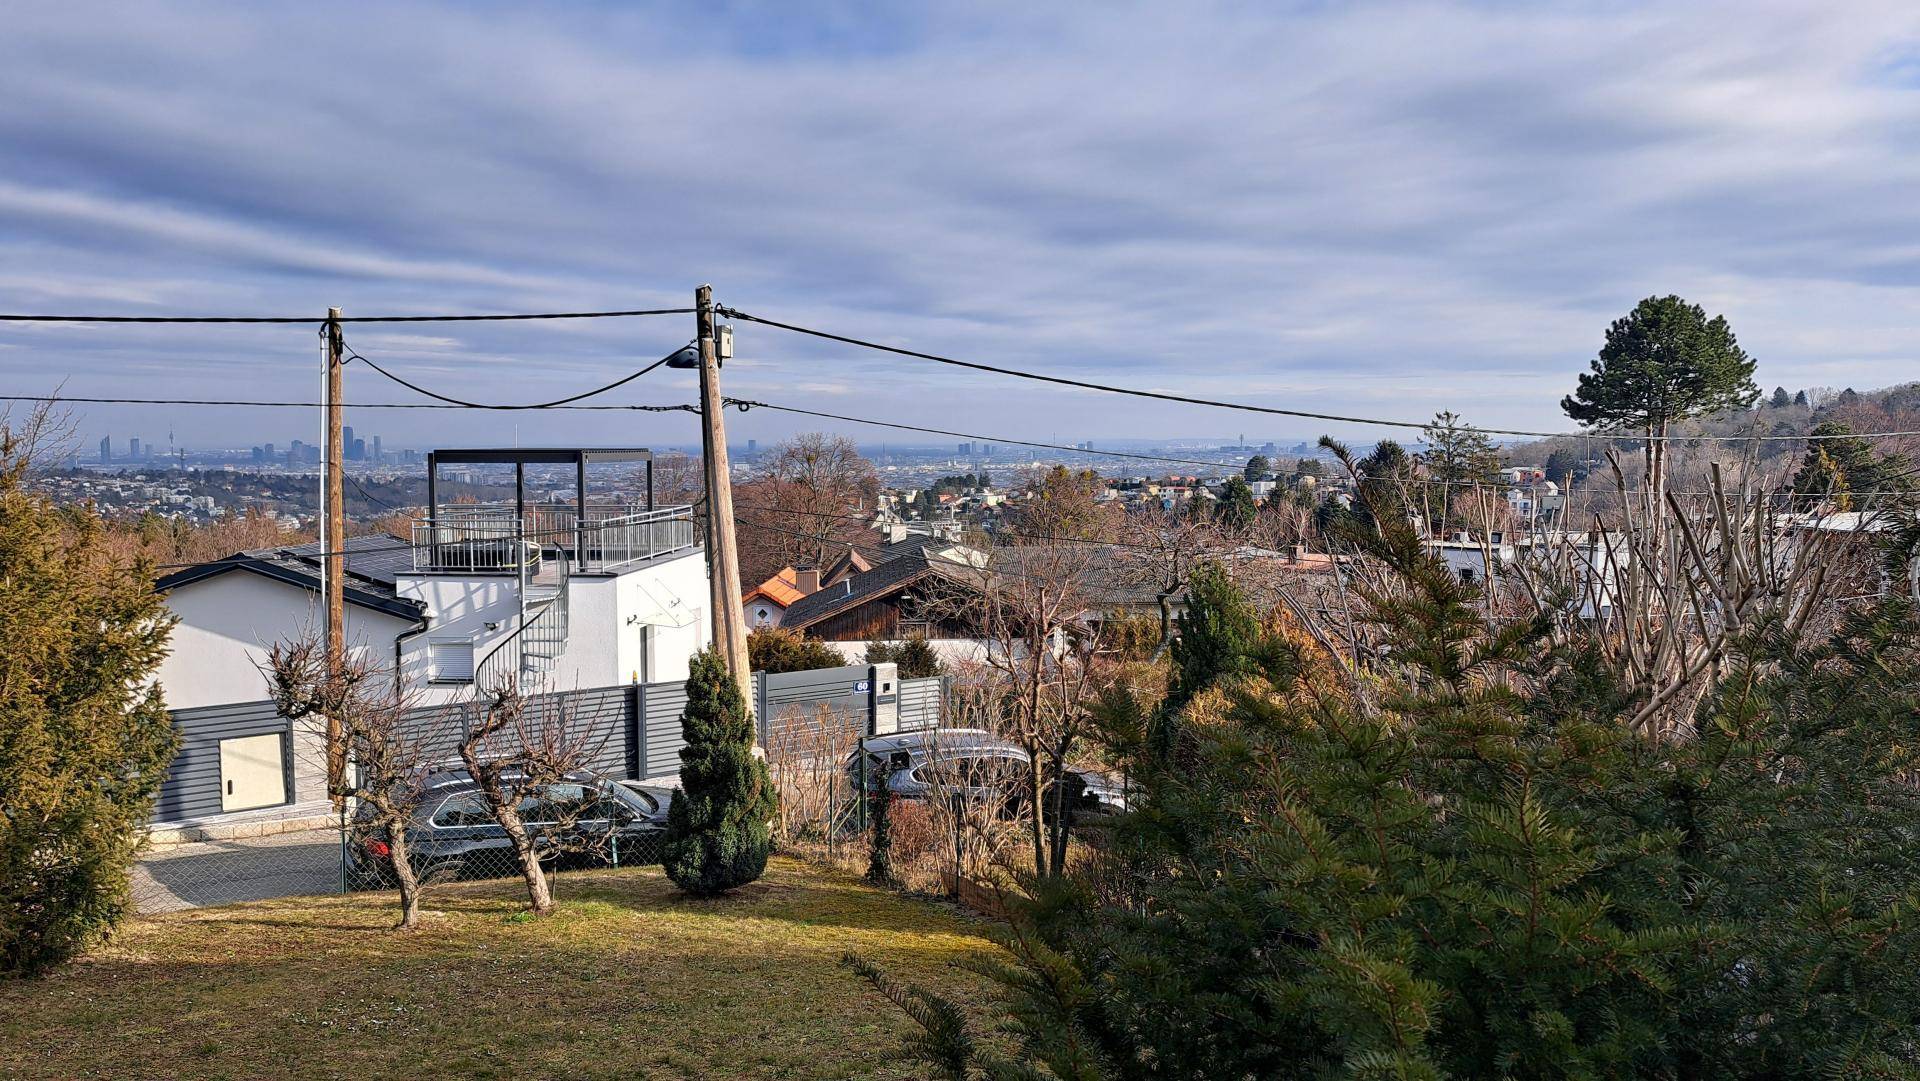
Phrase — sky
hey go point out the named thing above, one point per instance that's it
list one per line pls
(1373, 209)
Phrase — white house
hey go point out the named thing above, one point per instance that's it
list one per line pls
(556, 596)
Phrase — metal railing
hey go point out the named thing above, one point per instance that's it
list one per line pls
(522, 656)
(494, 538)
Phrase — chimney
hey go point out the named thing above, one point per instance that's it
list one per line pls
(807, 580)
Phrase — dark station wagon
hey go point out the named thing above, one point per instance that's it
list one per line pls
(586, 818)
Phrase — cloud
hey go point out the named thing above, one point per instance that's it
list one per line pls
(1381, 208)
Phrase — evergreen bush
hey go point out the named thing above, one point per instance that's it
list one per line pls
(85, 739)
(719, 831)
(1475, 870)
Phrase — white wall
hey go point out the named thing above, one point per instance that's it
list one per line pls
(672, 600)
(458, 607)
(230, 621)
(774, 613)
(951, 651)
(605, 617)
(227, 625)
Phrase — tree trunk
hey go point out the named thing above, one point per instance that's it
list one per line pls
(404, 875)
(1166, 622)
(1058, 831)
(539, 892)
(1038, 810)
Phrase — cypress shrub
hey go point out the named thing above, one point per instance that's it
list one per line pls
(719, 825)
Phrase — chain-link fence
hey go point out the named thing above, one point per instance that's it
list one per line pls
(309, 862)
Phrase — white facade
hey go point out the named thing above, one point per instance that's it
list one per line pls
(228, 623)
(761, 612)
(642, 625)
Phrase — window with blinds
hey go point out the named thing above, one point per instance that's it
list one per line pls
(450, 660)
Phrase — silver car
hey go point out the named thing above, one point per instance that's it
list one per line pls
(973, 764)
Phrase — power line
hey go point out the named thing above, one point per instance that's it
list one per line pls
(272, 319)
(352, 355)
(745, 404)
(735, 313)
(55, 398)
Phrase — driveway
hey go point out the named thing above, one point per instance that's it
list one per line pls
(222, 872)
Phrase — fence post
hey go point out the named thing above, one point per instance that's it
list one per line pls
(760, 707)
(959, 805)
(640, 730)
(860, 755)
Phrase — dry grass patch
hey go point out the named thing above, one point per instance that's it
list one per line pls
(628, 979)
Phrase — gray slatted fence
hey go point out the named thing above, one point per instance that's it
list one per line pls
(600, 719)
(790, 699)
(660, 738)
(629, 731)
(922, 703)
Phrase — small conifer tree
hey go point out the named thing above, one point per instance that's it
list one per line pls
(880, 847)
(719, 826)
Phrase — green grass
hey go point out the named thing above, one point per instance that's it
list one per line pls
(627, 979)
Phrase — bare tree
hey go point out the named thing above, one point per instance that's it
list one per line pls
(41, 434)
(519, 753)
(1034, 605)
(388, 747)
(1160, 551)
(804, 504)
(807, 758)
(1665, 598)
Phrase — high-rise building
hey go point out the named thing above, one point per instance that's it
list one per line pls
(356, 450)
(966, 448)
(269, 452)
(106, 449)
(753, 446)
(376, 449)
(133, 448)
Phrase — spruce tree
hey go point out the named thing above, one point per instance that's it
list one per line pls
(1484, 873)
(719, 825)
(1217, 631)
(1459, 459)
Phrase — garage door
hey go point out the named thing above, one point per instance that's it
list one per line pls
(253, 772)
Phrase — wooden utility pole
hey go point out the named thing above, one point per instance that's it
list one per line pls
(723, 558)
(333, 542)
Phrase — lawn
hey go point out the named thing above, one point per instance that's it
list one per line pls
(628, 979)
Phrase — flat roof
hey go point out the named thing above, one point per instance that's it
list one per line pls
(538, 455)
